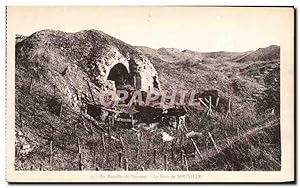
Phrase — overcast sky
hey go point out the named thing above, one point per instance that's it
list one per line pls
(199, 29)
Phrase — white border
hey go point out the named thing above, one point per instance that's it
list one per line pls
(296, 3)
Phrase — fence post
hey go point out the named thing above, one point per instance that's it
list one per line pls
(209, 112)
(137, 152)
(91, 129)
(91, 92)
(103, 162)
(80, 162)
(197, 150)
(226, 135)
(54, 91)
(212, 139)
(182, 156)
(103, 141)
(122, 143)
(229, 110)
(132, 122)
(78, 145)
(51, 152)
(154, 156)
(21, 122)
(126, 164)
(60, 110)
(120, 159)
(186, 163)
(165, 162)
(94, 157)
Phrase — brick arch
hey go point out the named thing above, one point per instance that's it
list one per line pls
(109, 68)
(119, 74)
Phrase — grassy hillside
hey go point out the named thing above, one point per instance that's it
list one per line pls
(50, 126)
(253, 85)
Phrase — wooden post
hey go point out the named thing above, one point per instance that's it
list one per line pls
(183, 160)
(137, 152)
(75, 128)
(238, 131)
(80, 162)
(37, 69)
(54, 91)
(34, 106)
(126, 164)
(94, 157)
(21, 122)
(229, 109)
(163, 147)
(186, 163)
(210, 104)
(60, 110)
(52, 132)
(51, 152)
(182, 156)
(197, 150)
(78, 145)
(217, 102)
(181, 136)
(132, 121)
(209, 112)
(103, 141)
(91, 129)
(122, 143)
(154, 156)
(206, 143)
(212, 139)
(226, 135)
(165, 162)
(120, 159)
(134, 81)
(41, 167)
(112, 120)
(90, 91)
(103, 163)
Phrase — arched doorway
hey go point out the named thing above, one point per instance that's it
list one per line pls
(119, 74)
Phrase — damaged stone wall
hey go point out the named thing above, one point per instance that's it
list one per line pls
(142, 73)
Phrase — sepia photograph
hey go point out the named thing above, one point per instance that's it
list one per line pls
(143, 94)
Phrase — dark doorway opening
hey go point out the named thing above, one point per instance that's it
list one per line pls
(119, 75)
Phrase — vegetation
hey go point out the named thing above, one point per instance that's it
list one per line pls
(52, 133)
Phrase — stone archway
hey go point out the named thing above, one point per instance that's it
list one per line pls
(128, 74)
(120, 75)
(124, 79)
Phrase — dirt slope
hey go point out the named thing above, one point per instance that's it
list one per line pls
(262, 54)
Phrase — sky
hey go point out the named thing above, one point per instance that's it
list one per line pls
(195, 28)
